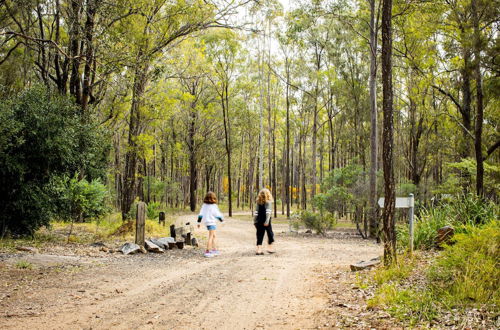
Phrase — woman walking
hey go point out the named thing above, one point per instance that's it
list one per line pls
(262, 220)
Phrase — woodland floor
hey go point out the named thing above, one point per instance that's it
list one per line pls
(305, 285)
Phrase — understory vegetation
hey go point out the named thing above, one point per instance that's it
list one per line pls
(461, 277)
(109, 228)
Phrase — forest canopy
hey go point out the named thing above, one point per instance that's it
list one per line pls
(165, 100)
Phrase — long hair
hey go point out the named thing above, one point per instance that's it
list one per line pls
(264, 196)
(210, 198)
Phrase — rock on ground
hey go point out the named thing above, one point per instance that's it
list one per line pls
(130, 248)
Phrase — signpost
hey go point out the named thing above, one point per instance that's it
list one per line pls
(404, 203)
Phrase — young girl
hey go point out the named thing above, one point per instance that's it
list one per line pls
(209, 213)
(262, 220)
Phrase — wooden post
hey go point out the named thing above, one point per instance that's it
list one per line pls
(161, 218)
(172, 231)
(140, 224)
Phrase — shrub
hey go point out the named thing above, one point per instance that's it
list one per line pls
(51, 138)
(80, 199)
(342, 187)
(462, 213)
(426, 226)
(154, 209)
(470, 210)
(317, 222)
(295, 221)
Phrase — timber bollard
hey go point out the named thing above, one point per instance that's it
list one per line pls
(161, 218)
(172, 231)
(140, 223)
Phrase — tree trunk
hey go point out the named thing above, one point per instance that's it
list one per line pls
(466, 104)
(274, 181)
(89, 52)
(478, 131)
(387, 146)
(227, 140)
(74, 34)
(131, 157)
(373, 120)
(287, 170)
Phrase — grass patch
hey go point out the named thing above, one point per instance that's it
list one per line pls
(397, 272)
(405, 304)
(23, 264)
(86, 233)
(468, 272)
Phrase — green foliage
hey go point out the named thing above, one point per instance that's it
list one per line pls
(342, 187)
(317, 222)
(467, 272)
(295, 221)
(154, 209)
(80, 199)
(52, 138)
(404, 189)
(426, 226)
(469, 210)
(461, 213)
(463, 173)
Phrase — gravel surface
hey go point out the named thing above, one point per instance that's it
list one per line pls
(86, 288)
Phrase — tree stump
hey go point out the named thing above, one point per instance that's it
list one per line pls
(444, 236)
(140, 223)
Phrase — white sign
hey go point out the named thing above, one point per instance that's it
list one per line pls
(401, 202)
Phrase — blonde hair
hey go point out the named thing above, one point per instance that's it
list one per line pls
(264, 196)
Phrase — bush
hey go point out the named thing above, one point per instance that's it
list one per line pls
(317, 222)
(154, 209)
(465, 275)
(52, 138)
(426, 226)
(469, 210)
(342, 187)
(80, 199)
(461, 213)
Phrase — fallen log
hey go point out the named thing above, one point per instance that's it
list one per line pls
(365, 264)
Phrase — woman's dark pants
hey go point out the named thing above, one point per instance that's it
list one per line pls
(261, 230)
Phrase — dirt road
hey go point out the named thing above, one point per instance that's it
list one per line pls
(183, 290)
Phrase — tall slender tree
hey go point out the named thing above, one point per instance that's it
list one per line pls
(388, 131)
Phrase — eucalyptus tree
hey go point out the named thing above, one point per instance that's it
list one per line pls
(67, 43)
(388, 162)
(197, 109)
(223, 51)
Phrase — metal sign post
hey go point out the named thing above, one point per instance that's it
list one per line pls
(404, 203)
(411, 202)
